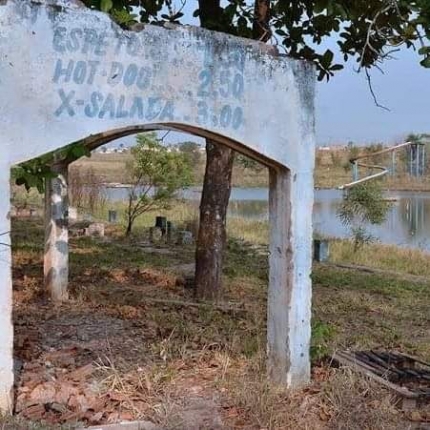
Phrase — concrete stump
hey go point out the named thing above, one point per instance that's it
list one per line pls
(96, 229)
(155, 234)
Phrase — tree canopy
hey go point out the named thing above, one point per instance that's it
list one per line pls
(368, 31)
(156, 174)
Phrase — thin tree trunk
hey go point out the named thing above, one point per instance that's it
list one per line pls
(213, 211)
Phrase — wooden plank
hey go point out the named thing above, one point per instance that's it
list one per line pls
(380, 370)
(411, 357)
(347, 360)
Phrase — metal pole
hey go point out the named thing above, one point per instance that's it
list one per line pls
(393, 163)
(417, 160)
(410, 170)
(355, 171)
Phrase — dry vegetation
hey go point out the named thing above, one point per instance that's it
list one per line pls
(332, 170)
(111, 167)
(129, 345)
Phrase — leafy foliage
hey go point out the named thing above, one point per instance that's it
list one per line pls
(248, 163)
(322, 334)
(368, 31)
(33, 173)
(191, 150)
(363, 204)
(156, 175)
(361, 237)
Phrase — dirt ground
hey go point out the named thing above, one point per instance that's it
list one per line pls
(132, 344)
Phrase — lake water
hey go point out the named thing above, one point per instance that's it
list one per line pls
(407, 223)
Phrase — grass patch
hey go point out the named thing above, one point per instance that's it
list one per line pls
(388, 257)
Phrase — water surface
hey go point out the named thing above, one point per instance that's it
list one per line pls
(407, 223)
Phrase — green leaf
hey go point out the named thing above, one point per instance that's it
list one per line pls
(106, 5)
(336, 67)
(320, 6)
(424, 50)
(426, 62)
(327, 58)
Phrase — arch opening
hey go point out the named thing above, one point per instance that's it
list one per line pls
(192, 80)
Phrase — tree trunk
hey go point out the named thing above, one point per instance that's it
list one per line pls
(219, 165)
(213, 211)
(129, 226)
(211, 15)
(56, 258)
(261, 29)
(215, 195)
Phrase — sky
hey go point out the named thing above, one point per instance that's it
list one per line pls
(345, 109)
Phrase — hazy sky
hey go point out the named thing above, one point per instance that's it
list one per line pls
(345, 110)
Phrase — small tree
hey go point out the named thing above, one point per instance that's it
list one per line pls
(363, 204)
(156, 175)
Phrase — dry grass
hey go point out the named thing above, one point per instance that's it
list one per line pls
(110, 168)
(107, 167)
(355, 402)
(388, 257)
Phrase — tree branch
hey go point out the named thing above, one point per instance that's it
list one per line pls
(375, 99)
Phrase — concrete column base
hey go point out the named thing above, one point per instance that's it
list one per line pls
(289, 295)
(6, 327)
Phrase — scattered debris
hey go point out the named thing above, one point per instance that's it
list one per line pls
(184, 237)
(155, 234)
(95, 229)
(407, 376)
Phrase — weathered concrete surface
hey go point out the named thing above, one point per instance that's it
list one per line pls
(67, 73)
(6, 330)
(75, 74)
(289, 295)
(56, 256)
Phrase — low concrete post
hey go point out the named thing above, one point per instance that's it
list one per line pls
(6, 331)
(56, 259)
(289, 295)
(355, 171)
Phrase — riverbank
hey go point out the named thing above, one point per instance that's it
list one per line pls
(331, 171)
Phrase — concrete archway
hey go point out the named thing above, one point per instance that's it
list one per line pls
(68, 73)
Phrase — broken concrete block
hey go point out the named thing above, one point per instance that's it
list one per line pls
(96, 229)
(73, 213)
(155, 234)
(184, 237)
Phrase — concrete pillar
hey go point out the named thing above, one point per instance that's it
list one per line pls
(56, 259)
(6, 331)
(289, 295)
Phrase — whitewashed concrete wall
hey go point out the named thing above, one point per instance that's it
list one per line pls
(67, 73)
